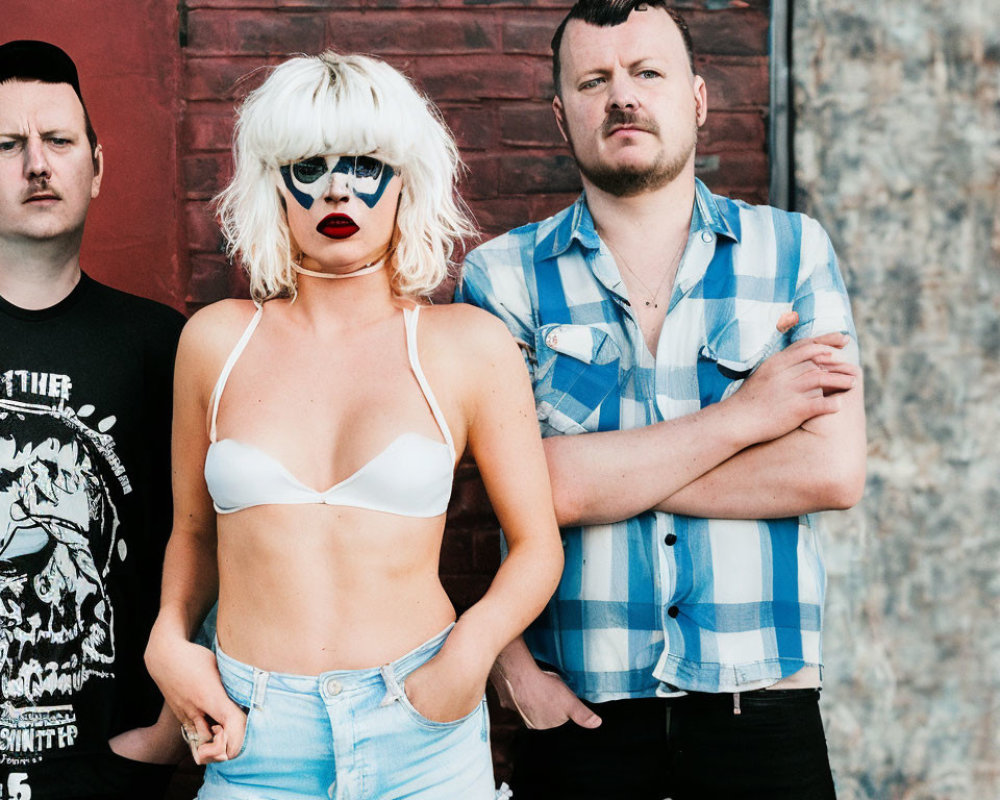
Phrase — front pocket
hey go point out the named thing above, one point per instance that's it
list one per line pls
(579, 366)
(420, 719)
(246, 705)
(723, 365)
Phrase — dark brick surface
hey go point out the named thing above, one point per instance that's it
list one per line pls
(746, 170)
(209, 278)
(499, 215)
(474, 127)
(400, 32)
(481, 77)
(203, 234)
(538, 174)
(742, 33)
(226, 78)
(732, 131)
(483, 178)
(277, 34)
(530, 33)
(736, 83)
(207, 127)
(204, 174)
(529, 125)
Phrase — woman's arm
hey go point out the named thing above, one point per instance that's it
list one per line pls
(504, 440)
(185, 672)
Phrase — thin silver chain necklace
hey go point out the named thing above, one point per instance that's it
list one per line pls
(671, 267)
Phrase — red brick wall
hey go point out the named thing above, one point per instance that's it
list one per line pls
(488, 67)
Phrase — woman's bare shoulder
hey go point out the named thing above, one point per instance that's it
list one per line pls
(210, 335)
(466, 327)
(471, 346)
(222, 315)
(215, 324)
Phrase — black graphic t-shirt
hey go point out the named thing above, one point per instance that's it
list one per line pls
(85, 399)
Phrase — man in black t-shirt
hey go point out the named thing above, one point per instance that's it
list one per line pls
(85, 398)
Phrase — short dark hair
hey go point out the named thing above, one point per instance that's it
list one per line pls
(30, 60)
(607, 14)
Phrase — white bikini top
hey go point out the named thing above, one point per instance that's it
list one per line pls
(411, 477)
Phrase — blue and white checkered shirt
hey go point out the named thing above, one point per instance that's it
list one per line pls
(662, 602)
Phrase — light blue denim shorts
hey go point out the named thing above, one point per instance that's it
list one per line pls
(348, 735)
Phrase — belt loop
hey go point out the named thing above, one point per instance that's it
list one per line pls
(394, 691)
(736, 704)
(259, 688)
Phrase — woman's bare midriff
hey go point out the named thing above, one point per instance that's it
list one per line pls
(305, 589)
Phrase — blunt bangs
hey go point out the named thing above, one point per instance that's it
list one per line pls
(315, 110)
(345, 105)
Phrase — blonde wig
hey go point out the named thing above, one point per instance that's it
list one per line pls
(346, 105)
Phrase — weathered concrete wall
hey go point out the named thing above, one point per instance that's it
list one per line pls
(898, 154)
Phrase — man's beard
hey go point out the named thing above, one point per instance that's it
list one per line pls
(628, 181)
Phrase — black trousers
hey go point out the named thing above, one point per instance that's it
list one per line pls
(687, 748)
(96, 776)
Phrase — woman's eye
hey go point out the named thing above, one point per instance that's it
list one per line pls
(310, 170)
(367, 167)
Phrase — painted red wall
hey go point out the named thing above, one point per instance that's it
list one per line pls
(127, 55)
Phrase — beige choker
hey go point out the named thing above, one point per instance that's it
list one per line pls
(367, 269)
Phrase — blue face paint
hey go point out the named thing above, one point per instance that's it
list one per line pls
(307, 180)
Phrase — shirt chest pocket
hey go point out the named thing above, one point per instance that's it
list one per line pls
(734, 353)
(578, 369)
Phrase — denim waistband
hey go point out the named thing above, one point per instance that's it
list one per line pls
(235, 672)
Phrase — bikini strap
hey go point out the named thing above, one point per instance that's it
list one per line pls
(410, 316)
(228, 367)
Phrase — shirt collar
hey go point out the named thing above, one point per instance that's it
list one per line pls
(578, 225)
(575, 224)
(708, 213)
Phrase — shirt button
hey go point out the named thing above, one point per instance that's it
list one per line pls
(706, 236)
(332, 687)
(670, 540)
(673, 611)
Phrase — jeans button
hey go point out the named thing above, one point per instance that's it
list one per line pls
(332, 687)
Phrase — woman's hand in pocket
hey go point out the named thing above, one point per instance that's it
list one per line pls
(446, 688)
(189, 679)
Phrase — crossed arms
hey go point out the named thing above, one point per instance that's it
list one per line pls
(791, 441)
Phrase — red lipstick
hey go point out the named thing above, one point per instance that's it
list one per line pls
(337, 226)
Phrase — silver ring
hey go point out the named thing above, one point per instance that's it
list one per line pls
(190, 735)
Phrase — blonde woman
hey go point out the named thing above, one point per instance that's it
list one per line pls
(316, 433)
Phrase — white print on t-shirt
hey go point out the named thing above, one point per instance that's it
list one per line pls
(58, 538)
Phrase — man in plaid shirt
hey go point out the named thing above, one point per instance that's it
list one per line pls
(695, 371)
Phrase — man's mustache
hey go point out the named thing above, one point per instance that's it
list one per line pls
(40, 187)
(619, 118)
